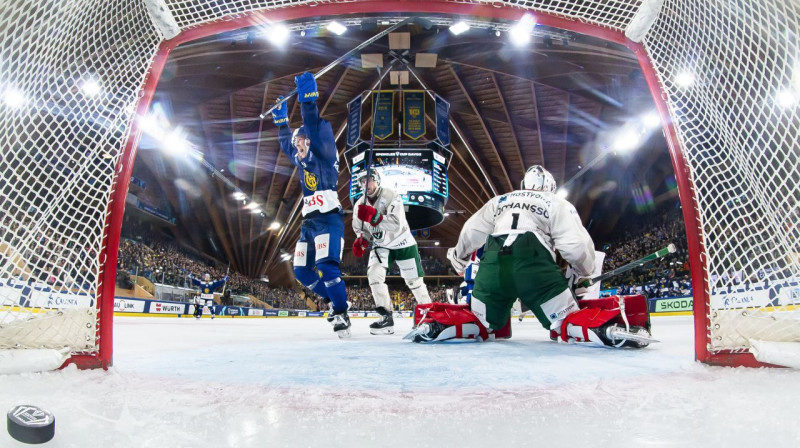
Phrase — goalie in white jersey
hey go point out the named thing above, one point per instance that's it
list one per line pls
(521, 231)
(380, 219)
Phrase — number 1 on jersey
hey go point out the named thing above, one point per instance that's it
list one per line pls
(514, 220)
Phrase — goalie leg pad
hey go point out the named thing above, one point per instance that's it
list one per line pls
(612, 321)
(447, 321)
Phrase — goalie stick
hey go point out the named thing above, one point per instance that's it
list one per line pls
(670, 249)
(338, 61)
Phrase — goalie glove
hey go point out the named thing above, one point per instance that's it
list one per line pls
(581, 287)
(459, 264)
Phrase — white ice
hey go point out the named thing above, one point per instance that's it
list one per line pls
(291, 383)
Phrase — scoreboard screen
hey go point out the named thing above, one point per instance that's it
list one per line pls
(419, 176)
(409, 172)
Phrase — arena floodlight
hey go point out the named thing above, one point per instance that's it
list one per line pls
(275, 225)
(238, 195)
(436, 243)
(459, 27)
(520, 34)
(336, 28)
(684, 79)
(562, 193)
(174, 143)
(252, 206)
(278, 34)
(651, 120)
(13, 98)
(91, 87)
(786, 98)
(255, 210)
(627, 140)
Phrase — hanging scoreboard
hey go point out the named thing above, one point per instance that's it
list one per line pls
(418, 175)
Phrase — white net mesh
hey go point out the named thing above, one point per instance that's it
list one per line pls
(70, 76)
(738, 124)
(72, 72)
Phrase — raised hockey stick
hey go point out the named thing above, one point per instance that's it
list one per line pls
(670, 249)
(338, 61)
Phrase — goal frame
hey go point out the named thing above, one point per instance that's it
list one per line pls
(116, 207)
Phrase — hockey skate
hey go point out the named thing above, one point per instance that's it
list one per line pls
(384, 325)
(329, 317)
(341, 324)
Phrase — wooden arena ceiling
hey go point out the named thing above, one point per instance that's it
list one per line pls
(550, 102)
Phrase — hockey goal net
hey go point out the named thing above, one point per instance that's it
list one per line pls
(74, 75)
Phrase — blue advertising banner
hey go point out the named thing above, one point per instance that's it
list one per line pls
(442, 121)
(139, 182)
(414, 114)
(383, 126)
(353, 121)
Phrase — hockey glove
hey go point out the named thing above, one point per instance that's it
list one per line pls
(280, 115)
(359, 247)
(306, 88)
(458, 264)
(368, 214)
(582, 286)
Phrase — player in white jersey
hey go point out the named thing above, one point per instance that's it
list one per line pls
(520, 232)
(380, 219)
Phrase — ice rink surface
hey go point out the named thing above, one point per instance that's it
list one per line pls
(283, 382)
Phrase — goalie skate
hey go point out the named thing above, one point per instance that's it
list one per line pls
(636, 337)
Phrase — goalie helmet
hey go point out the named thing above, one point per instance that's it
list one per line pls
(538, 179)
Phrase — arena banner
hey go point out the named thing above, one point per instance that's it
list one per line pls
(670, 305)
(270, 313)
(383, 126)
(126, 305)
(167, 308)
(255, 312)
(232, 311)
(414, 113)
(41, 295)
(354, 121)
(442, 108)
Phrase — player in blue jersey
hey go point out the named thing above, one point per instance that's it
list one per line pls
(312, 149)
(206, 297)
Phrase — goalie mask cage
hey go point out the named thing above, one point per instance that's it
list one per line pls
(75, 74)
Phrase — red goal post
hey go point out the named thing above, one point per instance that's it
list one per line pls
(67, 155)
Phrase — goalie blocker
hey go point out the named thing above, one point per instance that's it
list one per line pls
(616, 321)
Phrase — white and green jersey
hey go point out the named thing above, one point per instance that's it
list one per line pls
(393, 231)
(553, 220)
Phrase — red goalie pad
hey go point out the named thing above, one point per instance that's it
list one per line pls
(451, 315)
(635, 308)
(595, 313)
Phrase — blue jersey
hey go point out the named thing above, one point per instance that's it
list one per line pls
(319, 171)
(207, 288)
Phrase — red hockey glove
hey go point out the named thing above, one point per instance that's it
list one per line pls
(369, 214)
(359, 246)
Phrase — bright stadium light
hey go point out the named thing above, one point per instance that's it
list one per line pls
(336, 28)
(13, 98)
(275, 225)
(174, 143)
(627, 140)
(255, 210)
(786, 98)
(91, 87)
(436, 243)
(684, 79)
(238, 195)
(251, 206)
(459, 27)
(652, 120)
(562, 193)
(520, 34)
(278, 34)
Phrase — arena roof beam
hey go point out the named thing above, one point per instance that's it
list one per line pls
(514, 137)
